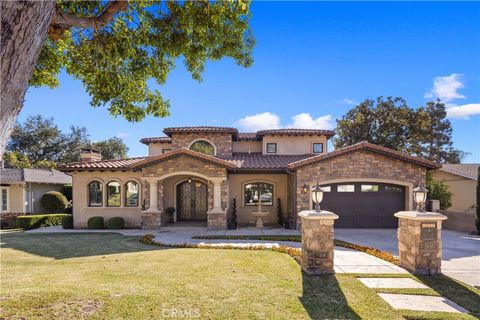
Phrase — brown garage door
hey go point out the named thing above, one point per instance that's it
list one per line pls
(364, 204)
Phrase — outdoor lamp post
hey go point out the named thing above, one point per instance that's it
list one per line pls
(317, 196)
(420, 196)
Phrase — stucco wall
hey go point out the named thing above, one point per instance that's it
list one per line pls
(294, 144)
(236, 183)
(155, 149)
(245, 146)
(359, 166)
(221, 141)
(463, 190)
(81, 210)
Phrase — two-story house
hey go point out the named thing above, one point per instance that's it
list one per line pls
(200, 171)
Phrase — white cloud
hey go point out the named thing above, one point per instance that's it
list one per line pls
(122, 135)
(349, 101)
(463, 111)
(260, 121)
(446, 88)
(268, 120)
(306, 121)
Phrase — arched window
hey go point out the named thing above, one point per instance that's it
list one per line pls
(131, 194)
(95, 194)
(203, 147)
(113, 194)
(253, 192)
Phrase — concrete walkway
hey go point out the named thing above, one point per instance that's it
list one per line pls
(461, 251)
(345, 261)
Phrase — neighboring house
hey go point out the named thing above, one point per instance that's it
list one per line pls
(22, 189)
(462, 180)
(200, 170)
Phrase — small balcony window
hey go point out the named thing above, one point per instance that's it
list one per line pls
(318, 148)
(271, 148)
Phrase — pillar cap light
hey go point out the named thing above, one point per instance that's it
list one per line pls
(420, 197)
(317, 196)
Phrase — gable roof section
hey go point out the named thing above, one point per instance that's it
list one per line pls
(200, 129)
(364, 145)
(469, 170)
(182, 152)
(156, 140)
(113, 164)
(34, 175)
(296, 132)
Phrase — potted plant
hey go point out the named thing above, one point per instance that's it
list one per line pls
(170, 211)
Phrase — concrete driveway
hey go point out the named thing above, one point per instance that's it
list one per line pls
(461, 251)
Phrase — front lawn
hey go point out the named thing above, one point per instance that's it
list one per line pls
(110, 276)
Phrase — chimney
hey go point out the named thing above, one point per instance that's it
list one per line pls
(90, 154)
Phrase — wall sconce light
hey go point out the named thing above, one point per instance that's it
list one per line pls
(420, 197)
(189, 180)
(305, 188)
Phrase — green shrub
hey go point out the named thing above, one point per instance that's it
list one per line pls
(40, 220)
(96, 223)
(67, 222)
(116, 223)
(438, 190)
(54, 201)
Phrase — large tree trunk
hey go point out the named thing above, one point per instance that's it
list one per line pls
(23, 30)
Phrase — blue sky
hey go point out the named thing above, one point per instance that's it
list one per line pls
(313, 61)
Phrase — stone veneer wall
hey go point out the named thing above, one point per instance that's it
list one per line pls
(222, 141)
(185, 163)
(356, 165)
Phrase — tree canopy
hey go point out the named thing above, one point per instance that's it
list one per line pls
(390, 122)
(115, 58)
(39, 143)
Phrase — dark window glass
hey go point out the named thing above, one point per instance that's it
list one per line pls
(203, 147)
(271, 148)
(255, 191)
(318, 148)
(131, 194)
(95, 194)
(113, 194)
(393, 189)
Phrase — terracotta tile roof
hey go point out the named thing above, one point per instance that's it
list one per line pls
(364, 145)
(296, 132)
(260, 161)
(182, 151)
(469, 170)
(200, 129)
(113, 164)
(156, 140)
(248, 136)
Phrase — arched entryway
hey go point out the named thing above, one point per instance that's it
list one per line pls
(192, 200)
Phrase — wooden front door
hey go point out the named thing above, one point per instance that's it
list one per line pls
(192, 201)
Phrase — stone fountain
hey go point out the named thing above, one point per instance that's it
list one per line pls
(259, 214)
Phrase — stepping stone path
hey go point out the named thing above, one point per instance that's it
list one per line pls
(411, 301)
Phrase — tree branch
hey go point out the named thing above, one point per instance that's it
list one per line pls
(64, 20)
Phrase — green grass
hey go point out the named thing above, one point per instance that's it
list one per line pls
(110, 276)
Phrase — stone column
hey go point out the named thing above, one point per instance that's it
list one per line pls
(317, 241)
(151, 218)
(217, 217)
(420, 241)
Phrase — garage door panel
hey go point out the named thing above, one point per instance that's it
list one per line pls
(371, 208)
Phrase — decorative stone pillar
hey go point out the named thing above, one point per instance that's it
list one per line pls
(151, 218)
(217, 217)
(317, 241)
(420, 241)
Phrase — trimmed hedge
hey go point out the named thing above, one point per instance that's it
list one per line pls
(96, 223)
(54, 201)
(67, 222)
(116, 223)
(40, 220)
